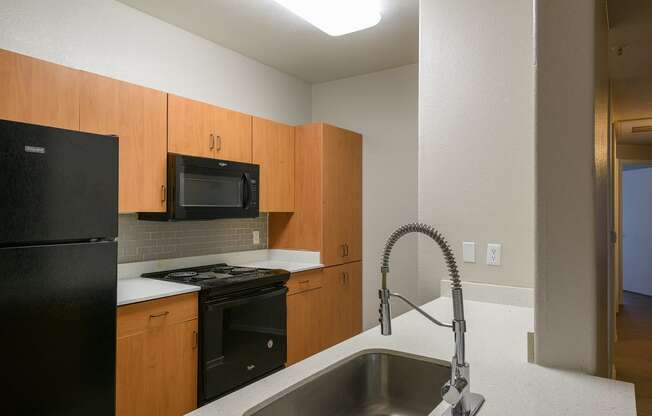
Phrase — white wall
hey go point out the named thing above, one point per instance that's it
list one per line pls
(476, 137)
(637, 230)
(112, 39)
(383, 107)
(571, 308)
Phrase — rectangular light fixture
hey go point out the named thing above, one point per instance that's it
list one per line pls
(336, 17)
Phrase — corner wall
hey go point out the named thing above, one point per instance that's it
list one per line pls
(476, 137)
(571, 310)
(382, 106)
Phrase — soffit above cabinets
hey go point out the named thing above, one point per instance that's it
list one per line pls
(269, 33)
(634, 131)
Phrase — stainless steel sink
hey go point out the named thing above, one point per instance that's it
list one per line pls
(370, 383)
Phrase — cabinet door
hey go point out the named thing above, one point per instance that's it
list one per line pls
(303, 325)
(156, 371)
(38, 92)
(180, 368)
(342, 238)
(190, 127)
(354, 288)
(273, 150)
(352, 198)
(232, 135)
(342, 303)
(138, 116)
(335, 163)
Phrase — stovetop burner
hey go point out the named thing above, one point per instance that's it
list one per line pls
(222, 278)
(181, 275)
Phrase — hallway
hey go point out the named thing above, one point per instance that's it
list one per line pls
(633, 351)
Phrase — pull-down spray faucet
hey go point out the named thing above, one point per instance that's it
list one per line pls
(457, 390)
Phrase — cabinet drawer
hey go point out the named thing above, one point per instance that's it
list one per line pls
(141, 316)
(303, 281)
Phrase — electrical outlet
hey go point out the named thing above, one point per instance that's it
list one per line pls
(256, 238)
(468, 251)
(493, 254)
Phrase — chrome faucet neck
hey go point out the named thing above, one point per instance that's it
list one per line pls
(456, 391)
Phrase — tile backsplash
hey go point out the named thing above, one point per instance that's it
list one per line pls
(152, 240)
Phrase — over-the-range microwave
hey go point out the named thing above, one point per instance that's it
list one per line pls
(202, 189)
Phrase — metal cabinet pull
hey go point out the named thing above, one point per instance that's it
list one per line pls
(218, 140)
(346, 249)
(195, 341)
(158, 315)
(211, 141)
(163, 193)
(303, 282)
(343, 250)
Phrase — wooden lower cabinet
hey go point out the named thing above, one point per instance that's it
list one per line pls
(304, 312)
(156, 361)
(342, 303)
(324, 307)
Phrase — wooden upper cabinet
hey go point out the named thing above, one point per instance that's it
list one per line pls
(204, 130)
(232, 135)
(342, 196)
(138, 116)
(190, 127)
(328, 196)
(38, 92)
(273, 150)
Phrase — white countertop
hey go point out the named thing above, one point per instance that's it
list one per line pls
(140, 289)
(496, 350)
(132, 288)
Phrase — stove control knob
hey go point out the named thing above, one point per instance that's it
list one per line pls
(270, 343)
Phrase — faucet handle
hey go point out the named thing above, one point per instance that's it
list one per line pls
(454, 392)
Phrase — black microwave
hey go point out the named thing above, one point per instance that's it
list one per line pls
(204, 189)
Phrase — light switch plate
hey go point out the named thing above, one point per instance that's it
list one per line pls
(256, 238)
(468, 251)
(494, 253)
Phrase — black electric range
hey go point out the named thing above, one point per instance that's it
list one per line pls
(242, 324)
(218, 279)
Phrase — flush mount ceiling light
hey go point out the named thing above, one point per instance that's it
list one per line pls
(336, 17)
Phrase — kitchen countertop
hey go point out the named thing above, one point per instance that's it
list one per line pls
(496, 351)
(140, 289)
(132, 288)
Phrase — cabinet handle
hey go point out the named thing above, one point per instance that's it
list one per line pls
(303, 282)
(346, 249)
(211, 141)
(343, 250)
(343, 278)
(163, 193)
(195, 340)
(218, 140)
(158, 315)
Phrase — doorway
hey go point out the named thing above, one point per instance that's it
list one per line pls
(633, 345)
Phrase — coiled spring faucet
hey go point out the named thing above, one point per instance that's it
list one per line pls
(457, 390)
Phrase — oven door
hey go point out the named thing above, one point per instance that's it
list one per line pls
(243, 338)
(208, 188)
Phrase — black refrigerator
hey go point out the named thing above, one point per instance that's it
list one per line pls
(58, 271)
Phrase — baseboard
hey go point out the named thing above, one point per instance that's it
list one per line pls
(486, 292)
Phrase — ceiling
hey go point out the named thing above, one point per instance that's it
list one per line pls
(630, 60)
(267, 32)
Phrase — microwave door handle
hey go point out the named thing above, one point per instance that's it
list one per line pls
(246, 190)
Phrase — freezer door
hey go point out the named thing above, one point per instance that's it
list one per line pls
(56, 185)
(58, 329)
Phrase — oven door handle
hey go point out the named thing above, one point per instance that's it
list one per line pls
(233, 300)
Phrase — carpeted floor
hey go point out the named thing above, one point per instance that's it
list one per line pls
(633, 351)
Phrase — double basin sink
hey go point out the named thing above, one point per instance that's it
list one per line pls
(374, 382)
